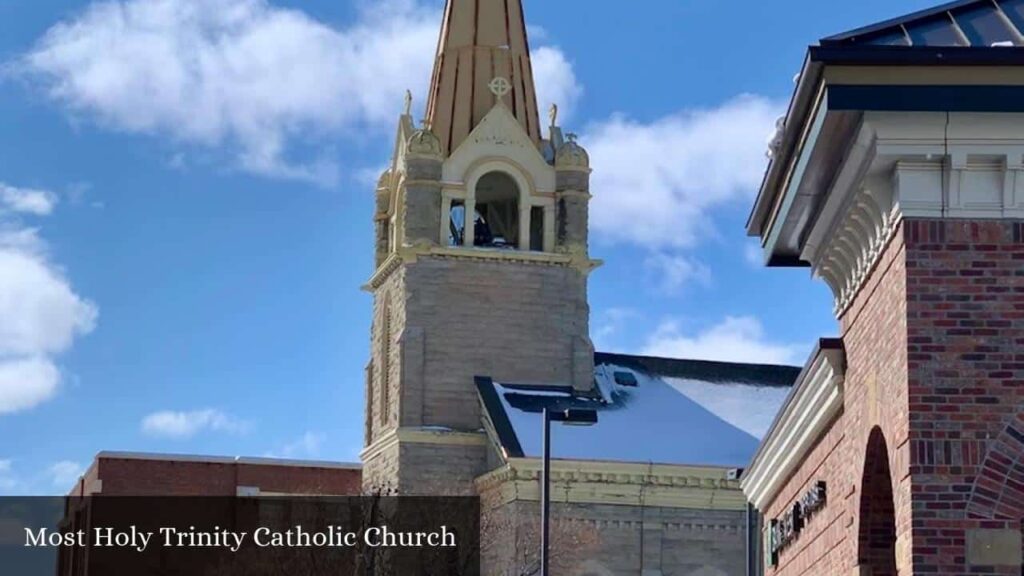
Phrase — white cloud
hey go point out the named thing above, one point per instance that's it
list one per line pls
(306, 446)
(753, 254)
(65, 473)
(26, 383)
(29, 201)
(556, 82)
(735, 339)
(673, 271)
(41, 313)
(608, 324)
(263, 82)
(184, 425)
(655, 183)
(7, 480)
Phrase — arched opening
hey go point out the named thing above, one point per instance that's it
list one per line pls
(496, 223)
(877, 537)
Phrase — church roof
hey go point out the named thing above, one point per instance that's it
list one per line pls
(649, 410)
(977, 23)
(481, 40)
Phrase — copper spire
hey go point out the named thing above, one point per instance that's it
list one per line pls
(480, 40)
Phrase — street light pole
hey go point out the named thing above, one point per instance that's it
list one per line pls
(571, 417)
(545, 495)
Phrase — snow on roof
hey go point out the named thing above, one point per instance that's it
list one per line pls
(748, 407)
(694, 416)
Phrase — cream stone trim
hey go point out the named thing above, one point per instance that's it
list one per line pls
(390, 264)
(913, 165)
(573, 193)
(814, 403)
(620, 483)
(424, 435)
(499, 137)
(519, 256)
(409, 254)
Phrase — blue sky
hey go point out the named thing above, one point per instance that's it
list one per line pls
(186, 199)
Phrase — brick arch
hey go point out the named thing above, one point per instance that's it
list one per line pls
(998, 492)
(876, 545)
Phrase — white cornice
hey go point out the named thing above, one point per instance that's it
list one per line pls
(815, 401)
(912, 165)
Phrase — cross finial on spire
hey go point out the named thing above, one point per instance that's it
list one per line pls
(500, 86)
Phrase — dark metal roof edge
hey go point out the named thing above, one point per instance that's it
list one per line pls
(778, 375)
(787, 262)
(824, 345)
(917, 55)
(538, 387)
(800, 104)
(899, 20)
(802, 101)
(499, 419)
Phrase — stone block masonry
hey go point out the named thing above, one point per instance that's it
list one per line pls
(440, 321)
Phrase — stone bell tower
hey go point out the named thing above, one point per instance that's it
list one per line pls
(481, 257)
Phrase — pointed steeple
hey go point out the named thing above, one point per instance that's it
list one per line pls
(480, 40)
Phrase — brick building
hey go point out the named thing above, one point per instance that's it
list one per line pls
(135, 474)
(897, 176)
(136, 487)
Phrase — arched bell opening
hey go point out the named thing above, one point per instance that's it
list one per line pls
(496, 222)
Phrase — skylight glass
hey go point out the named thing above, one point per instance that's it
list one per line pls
(983, 26)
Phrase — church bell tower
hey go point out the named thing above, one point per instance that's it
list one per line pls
(481, 257)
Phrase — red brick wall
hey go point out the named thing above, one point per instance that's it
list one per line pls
(874, 335)
(155, 477)
(966, 383)
(935, 365)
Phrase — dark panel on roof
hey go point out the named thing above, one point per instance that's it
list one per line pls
(937, 31)
(976, 23)
(762, 374)
(984, 25)
(1014, 11)
(892, 37)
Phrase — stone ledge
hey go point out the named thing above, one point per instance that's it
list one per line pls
(994, 548)
(424, 435)
(619, 483)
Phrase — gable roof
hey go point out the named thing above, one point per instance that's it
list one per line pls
(649, 410)
(967, 23)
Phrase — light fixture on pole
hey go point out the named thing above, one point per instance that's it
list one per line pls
(570, 417)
